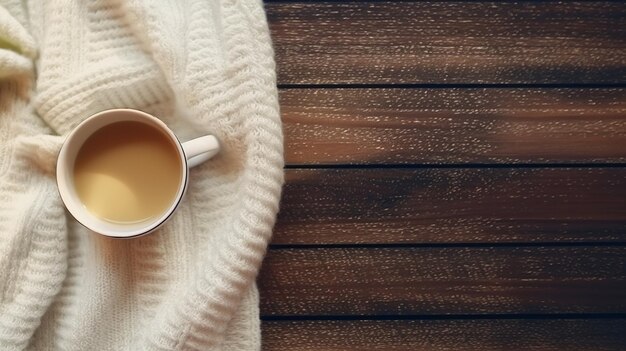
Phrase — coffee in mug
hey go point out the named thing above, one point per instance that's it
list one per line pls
(122, 173)
(127, 172)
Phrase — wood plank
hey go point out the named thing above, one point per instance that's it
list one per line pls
(452, 205)
(443, 280)
(460, 335)
(449, 42)
(426, 126)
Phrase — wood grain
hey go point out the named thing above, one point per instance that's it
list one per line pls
(424, 126)
(458, 335)
(471, 240)
(449, 42)
(443, 280)
(456, 205)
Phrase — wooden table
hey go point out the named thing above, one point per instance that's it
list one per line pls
(455, 177)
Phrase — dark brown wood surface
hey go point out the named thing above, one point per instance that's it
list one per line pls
(454, 125)
(444, 280)
(435, 335)
(449, 42)
(456, 176)
(452, 205)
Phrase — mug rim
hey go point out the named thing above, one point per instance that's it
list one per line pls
(73, 204)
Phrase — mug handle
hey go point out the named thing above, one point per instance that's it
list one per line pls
(200, 149)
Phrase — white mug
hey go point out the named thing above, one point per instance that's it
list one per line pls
(191, 153)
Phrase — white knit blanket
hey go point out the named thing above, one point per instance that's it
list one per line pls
(202, 66)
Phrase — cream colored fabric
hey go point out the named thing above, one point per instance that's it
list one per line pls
(201, 66)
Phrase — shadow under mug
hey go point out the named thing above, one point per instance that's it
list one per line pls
(190, 153)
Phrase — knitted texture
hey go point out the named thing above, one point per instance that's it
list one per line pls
(203, 67)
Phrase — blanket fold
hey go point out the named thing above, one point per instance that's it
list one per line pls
(202, 66)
